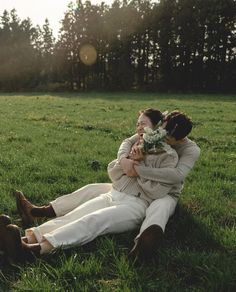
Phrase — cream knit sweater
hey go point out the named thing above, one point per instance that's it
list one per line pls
(188, 153)
(145, 188)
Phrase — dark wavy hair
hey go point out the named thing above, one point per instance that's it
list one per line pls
(179, 125)
(154, 115)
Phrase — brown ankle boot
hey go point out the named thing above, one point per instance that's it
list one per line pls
(32, 249)
(24, 208)
(29, 212)
(147, 244)
(44, 211)
(12, 244)
(4, 221)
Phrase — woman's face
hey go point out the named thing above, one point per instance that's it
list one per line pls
(143, 121)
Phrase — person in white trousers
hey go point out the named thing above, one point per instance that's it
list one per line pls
(158, 213)
(121, 209)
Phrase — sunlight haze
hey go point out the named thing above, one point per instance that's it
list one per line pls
(38, 11)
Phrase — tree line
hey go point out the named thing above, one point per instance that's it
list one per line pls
(178, 45)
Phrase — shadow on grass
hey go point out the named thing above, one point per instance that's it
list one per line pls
(185, 231)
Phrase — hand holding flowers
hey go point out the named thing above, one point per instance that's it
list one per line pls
(152, 142)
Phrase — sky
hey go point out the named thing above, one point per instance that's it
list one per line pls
(39, 10)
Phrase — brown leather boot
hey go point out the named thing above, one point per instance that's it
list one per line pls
(32, 249)
(44, 211)
(29, 212)
(147, 244)
(4, 221)
(24, 208)
(12, 244)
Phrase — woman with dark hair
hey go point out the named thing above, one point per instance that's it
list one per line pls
(121, 209)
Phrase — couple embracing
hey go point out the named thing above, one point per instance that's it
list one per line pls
(147, 179)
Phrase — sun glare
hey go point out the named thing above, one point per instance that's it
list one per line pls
(39, 10)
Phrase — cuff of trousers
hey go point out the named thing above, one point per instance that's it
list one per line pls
(36, 232)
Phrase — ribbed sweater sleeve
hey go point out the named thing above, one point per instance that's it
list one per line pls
(172, 175)
(126, 146)
(114, 170)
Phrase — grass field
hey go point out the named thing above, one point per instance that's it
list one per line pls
(48, 145)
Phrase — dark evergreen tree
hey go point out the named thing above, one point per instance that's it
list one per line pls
(184, 45)
(16, 53)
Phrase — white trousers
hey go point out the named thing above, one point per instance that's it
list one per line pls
(112, 212)
(157, 213)
(64, 204)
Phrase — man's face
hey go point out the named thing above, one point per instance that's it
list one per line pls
(171, 140)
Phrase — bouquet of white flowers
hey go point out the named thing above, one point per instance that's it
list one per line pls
(153, 140)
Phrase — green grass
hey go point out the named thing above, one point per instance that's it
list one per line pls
(48, 145)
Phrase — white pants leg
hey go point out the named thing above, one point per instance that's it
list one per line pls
(64, 204)
(124, 213)
(88, 207)
(159, 213)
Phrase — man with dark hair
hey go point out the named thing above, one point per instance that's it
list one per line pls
(178, 126)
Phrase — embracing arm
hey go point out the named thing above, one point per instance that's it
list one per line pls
(114, 170)
(126, 146)
(153, 188)
(127, 164)
(169, 175)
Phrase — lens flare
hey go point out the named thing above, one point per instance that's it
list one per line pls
(88, 54)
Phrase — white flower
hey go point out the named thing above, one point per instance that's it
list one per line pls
(148, 130)
(153, 139)
(148, 138)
